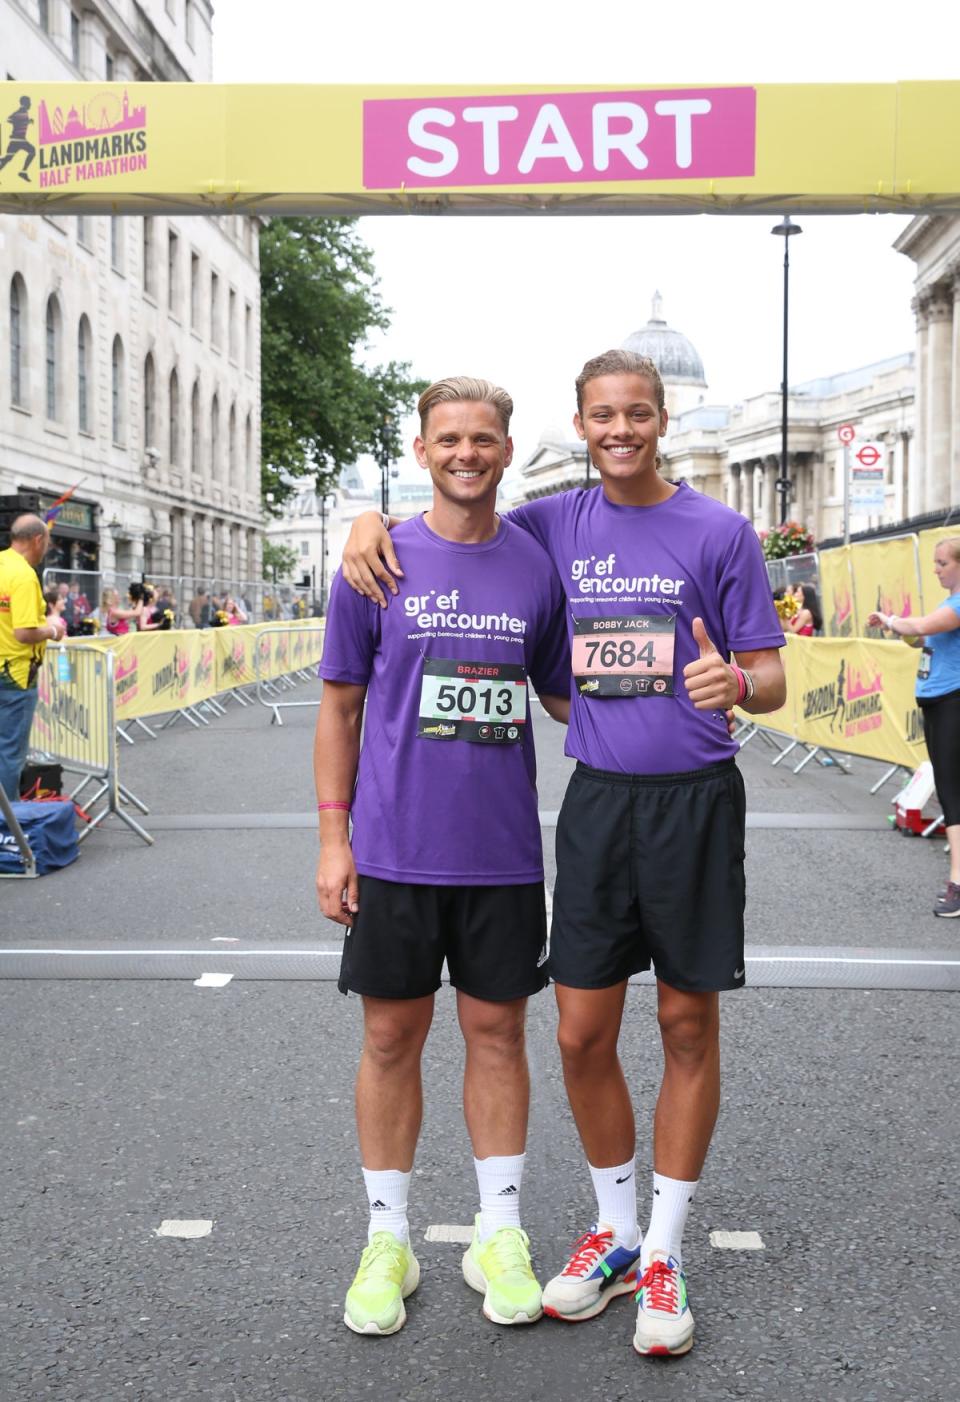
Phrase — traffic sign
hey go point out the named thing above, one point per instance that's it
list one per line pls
(869, 455)
(846, 433)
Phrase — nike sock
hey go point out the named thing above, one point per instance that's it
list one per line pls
(387, 1194)
(499, 1179)
(668, 1217)
(616, 1190)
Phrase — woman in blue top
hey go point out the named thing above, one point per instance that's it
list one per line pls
(938, 696)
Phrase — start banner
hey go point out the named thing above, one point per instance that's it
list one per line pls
(119, 147)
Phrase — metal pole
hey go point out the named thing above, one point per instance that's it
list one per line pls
(846, 494)
(784, 475)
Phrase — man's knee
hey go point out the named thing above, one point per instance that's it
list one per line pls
(584, 1043)
(392, 1038)
(494, 1030)
(689, 1025)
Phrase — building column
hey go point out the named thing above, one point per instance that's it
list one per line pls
(938, 400)
(771, 504)
(733, 486)
(161, 553)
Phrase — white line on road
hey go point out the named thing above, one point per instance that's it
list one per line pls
(463, 1235)
(331, 953)
(225, 939)
(737, 1241)
(212, 980)
(185, 1227)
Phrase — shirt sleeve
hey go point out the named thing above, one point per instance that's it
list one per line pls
(26, 602)
(536, 517)
(550, 668)
(351, 636)
(750, 618)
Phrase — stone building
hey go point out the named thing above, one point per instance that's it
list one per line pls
(933, 242)
(131, 355)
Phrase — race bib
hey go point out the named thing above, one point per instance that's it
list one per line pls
(485, 702)
(630, 656)
(926, 660)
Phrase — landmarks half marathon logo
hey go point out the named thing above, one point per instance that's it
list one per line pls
(105, 137)
(852, 704)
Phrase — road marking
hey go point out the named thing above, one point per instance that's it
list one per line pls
(185, 1227)
(212, 980)
(785, 958)
(225, 939)
(736, 1241)
(461, 1235)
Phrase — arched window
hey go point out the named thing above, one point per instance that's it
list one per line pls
(174, 420)
(54, 358)
(195, 427)
(149, 402)
(232, 448)
(116, 390)
(18, 313)
(83, 375)
(215, 437)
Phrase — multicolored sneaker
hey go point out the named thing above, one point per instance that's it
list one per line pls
(949, 903)
(664, 1321)
(499, 1268)
(598, 1271)
(388, 1273)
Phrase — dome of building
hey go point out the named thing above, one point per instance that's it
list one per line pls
(674, 356)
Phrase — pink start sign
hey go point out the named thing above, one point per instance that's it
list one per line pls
(559, 138)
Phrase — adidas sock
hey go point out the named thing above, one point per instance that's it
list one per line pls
(616, 1190)
(668, 1217)
(387, 1194)
(499, 1179)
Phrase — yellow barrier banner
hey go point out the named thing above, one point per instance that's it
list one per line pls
(163, 671)
(235, 653)
(885, 580)
(71, 716)
(836, 592)
(123, 147)
(287, 648)
(854, 696)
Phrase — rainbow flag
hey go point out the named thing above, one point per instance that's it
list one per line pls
(52, 512)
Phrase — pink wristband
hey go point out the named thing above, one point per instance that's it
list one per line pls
(343, 807)
(741, 683)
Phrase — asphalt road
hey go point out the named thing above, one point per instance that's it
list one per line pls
(128, 1102)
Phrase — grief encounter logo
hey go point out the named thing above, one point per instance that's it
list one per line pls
(105, 137)
(559, 138)
(853, 703)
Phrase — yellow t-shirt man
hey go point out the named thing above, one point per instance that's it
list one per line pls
(21, 606)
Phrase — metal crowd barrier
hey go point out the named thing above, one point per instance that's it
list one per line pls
(271, 690)
(19, 838)
(75, 725)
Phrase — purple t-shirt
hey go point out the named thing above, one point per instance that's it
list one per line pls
(446, 786)
(635, 569)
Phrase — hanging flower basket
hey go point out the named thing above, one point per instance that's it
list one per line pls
(789, 539)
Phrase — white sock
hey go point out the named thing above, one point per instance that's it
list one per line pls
(387, 1195)
(499, 1179)
(616, 1190)
(668, 1217)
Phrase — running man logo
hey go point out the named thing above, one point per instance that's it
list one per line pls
(107, 137)
(852, 704)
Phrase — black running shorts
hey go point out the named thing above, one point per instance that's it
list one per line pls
(494, 939)
(650, 871)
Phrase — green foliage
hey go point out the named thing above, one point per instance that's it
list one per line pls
(321, 408)
(279, 561)
(789, 539)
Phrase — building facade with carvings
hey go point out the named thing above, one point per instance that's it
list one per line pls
(131, 361)
(932, 241)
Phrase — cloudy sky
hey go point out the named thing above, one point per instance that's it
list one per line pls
(526, 301)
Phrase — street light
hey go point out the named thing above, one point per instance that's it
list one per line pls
(384, 456)
(785, 230)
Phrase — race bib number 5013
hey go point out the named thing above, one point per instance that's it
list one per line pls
(485, 702)
(630, 656)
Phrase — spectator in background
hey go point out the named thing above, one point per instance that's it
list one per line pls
(199, 604)
(808, 618)
(938, 696)
(234, 612)
(115, 619)
(55, 601)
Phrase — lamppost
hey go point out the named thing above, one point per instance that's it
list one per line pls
(325, 496)
(384, 456)
(785, 230)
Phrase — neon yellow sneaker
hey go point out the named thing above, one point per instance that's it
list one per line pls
(388, 1273)
(499, 1268)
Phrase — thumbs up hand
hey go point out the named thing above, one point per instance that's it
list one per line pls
(710, 682)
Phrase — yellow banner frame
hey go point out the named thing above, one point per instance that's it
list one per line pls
(149, 147)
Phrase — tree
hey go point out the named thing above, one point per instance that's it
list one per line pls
(321, 408)
(279, 561)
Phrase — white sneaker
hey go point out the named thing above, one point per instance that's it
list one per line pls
(598, 1271)
(664, 1321)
